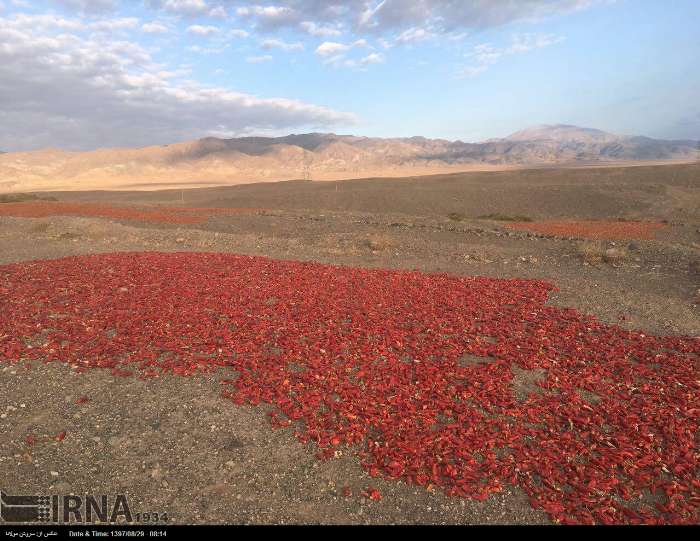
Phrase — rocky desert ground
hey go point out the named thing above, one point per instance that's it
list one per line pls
(618, 243)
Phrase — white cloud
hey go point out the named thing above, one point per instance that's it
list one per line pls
(88, 6)
(60, 89)
(113, 25)
(367, 16)
(263, 11)
(372, 58)
(283, 45)
(218, 40)
(46, 22)
(334, 53)
(523, 43)
(155, 28)
(268, 17)
(219, 12)
(186, 8)
(202, 30)
(258, 59)
(388, 17)
(319, 31)
(328, 48)
(487, 55)
(413, 35)
(207, 50)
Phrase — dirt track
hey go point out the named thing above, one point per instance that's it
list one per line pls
(175, 446)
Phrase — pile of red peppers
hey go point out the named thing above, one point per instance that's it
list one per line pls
(593, 229)
(375, 359)
(163, 214)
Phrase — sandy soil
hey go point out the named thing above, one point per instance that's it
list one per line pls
(46, 177)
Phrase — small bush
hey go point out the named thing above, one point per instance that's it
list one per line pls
(378, 243)
(456, 216)
(591, 252)
(615, 256)
(594, 253)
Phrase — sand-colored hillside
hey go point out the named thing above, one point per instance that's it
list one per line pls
(217, 162)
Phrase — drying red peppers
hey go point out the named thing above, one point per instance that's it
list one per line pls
(607, 433)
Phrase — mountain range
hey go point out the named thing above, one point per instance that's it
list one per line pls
(322, 156)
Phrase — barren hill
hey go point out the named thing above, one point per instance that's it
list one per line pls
(320, 156)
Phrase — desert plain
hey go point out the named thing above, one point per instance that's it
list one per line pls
(618, 243)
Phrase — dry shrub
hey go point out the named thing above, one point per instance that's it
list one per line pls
(378, 243)
(591, 252)
(594, 253)
(616, 256)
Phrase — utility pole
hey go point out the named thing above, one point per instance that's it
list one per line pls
(307, 164)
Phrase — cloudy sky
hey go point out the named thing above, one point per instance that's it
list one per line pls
(82, 74)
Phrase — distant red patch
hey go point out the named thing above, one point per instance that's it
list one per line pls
(603, 230)
(595, 423)
(173, 215)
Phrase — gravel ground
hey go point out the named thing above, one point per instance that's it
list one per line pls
(175, 446)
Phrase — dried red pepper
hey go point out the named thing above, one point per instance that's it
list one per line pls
(173, 215)
(593, 229)
(606, 434)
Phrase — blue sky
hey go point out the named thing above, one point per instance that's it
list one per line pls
(81, 74)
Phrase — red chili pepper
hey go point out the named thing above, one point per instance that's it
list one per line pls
(460, 384)
(372, 493)
(172, 215)
(599, 229)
